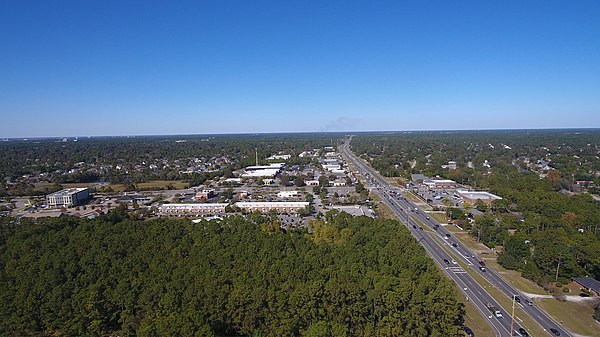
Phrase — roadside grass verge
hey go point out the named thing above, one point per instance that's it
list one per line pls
(577, 317)
(473, 317)
(383, 211)
(521, 318)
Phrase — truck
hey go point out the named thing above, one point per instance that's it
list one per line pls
(495, 311)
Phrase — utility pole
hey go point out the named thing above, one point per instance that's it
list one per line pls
(256, 149)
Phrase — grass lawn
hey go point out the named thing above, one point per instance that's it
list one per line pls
(439, 217)
(577, 317)
(156, 184)
(177, 184)
(42, 186)
(413, 197)
(383, 211)
(515, 279)
(468, 240)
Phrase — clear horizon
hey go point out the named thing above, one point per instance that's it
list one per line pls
(117, 69)
(298, 132)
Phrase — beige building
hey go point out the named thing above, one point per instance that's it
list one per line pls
(278, 206)
(191, 209)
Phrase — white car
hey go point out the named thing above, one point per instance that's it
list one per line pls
(454, 262)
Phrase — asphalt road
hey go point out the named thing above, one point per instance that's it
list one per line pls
(407, 212)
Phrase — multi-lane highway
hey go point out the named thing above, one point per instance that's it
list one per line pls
(438, 242)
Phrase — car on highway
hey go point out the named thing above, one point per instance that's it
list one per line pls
(436, 227)
(454, 244)
(482, 269)
(454, 262)
(415, 226)
(555, 332)
(528, 302)
(421, 228)
(446, 261)
(517, 299)
(523, 332)
(481, 263)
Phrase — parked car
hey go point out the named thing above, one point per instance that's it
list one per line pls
(469, 332)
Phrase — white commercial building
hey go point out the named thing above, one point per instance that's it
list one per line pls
(265, 173)
(439, 183)
(191, 209)
(68, 197)
(279, 157)
(288, 194)
(262, 171)
(473, 196)
(278, 206)
(331, 167)
(311, 182)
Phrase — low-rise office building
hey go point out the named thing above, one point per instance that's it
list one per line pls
(278, 206)
(288, 194)
(68, 197)
(191, 209)
(473, 196)
(205, 194)
(439, 183)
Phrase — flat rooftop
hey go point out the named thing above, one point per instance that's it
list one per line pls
(67, 191)
(478, 195)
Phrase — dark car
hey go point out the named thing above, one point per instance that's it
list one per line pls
(523, 332)
(454, 245)
(446, 261)
(414, 226)
(421, 228)
(555, 332)
(469, 332)
(436, 227)
(517, 299)
(481, 263)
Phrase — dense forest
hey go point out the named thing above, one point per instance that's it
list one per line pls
(547, 224)
(348, 276)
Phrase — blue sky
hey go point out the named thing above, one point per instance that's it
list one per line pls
(130, 68)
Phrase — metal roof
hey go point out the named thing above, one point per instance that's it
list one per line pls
(589, 283)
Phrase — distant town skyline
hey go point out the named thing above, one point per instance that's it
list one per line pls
(112, 68)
